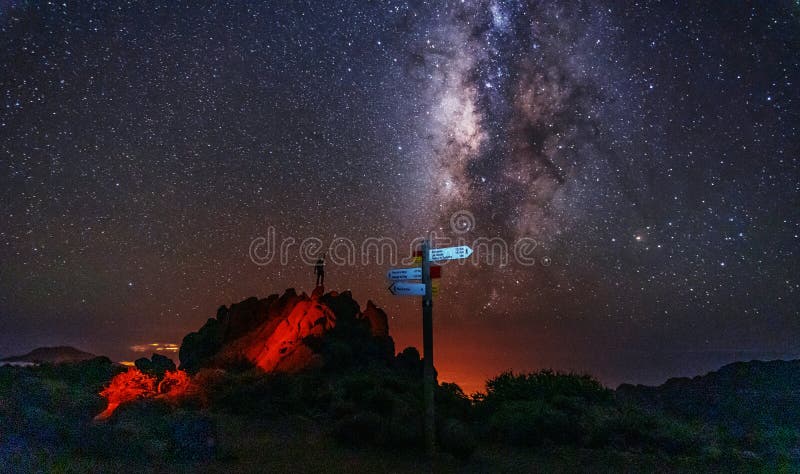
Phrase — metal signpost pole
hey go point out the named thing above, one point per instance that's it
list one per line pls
(427, 349)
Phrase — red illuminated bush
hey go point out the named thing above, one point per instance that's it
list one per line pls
(135, 384)
(126, 387)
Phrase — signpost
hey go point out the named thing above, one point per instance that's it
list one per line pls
(407, 289)
(426, 273)
(412, 273)
(449, 253)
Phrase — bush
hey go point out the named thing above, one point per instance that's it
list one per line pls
(265, 395)
(634, 428)
(456, 438)
(360, 428)
(568, 409)
(48, 408)
(545, 385)
(451, 402)
(193, 437)
(543, 407)
(152, 429)
(533, 422)
(377, 407)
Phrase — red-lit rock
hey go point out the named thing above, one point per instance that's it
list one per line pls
(278, 333)
(281, 347)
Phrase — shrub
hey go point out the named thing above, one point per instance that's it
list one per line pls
(654, 431)
(451, 402)
(152, 429)
(456, 437)
(543, 407)
(360, 428)
(532, 422)
(376, 407)
(546, 385)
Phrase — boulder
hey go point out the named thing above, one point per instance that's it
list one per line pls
(157, 365)
(378, 322)
(289, 333)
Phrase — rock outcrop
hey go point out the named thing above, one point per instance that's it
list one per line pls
(158, 365)
(378, 322)
(289, 333)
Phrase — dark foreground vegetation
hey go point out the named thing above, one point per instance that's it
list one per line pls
(366, 418)
(299, 383)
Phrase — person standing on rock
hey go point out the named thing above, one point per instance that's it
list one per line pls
(319, 270)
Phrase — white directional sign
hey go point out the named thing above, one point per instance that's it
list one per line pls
(413, 273)
(407, 289)
(450, 253)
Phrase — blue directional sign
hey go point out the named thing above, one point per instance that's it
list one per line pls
(407, 289)
(412, 273)
(450, 253)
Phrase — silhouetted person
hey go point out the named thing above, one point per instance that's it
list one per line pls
(319, 270)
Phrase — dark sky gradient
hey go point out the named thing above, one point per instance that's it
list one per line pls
(651, 150)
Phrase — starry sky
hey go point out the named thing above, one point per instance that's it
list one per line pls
(649, 149)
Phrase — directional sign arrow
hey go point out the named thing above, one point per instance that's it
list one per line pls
(450, 253)
(413, 273)
(407, 289)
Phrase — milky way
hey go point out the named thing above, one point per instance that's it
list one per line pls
(513, 105)
(649, 150)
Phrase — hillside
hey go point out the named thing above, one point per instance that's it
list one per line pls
(742, 396)
(52, 355)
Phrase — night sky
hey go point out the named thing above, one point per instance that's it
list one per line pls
(649, 149)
